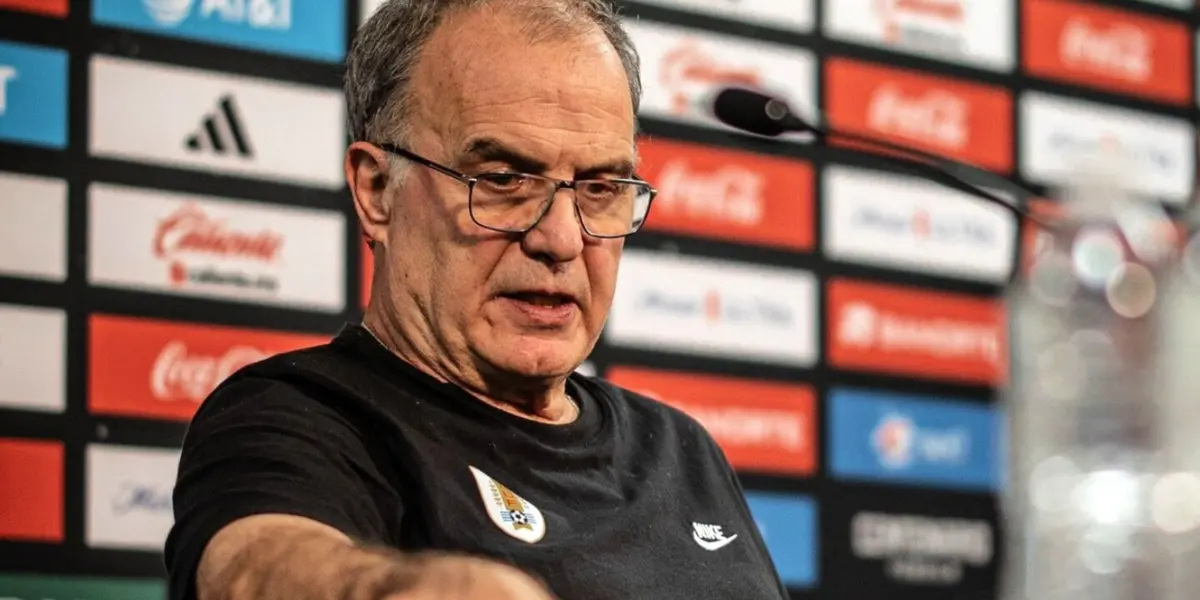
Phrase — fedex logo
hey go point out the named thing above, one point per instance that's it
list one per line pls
(895, 438)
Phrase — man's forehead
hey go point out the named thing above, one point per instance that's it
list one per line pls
(497, 80)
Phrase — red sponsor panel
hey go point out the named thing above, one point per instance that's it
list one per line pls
(967, 121)
(906, 331)
(51, 8)
(727, 194)
(164, 370)
(1108, 49)
(761, 426)
(31, 490)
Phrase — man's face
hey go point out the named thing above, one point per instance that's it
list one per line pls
(486, 99)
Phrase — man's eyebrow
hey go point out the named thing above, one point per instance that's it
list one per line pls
(490, 149)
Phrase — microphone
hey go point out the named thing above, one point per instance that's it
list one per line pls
(761, 114)
(1102, 474)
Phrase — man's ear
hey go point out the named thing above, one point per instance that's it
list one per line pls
(367, 174)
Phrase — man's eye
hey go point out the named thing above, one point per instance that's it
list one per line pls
(505, 179)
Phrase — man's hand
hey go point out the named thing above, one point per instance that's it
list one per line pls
(285, 556)
(451, 577)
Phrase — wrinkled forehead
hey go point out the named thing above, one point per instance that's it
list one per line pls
(483, 73)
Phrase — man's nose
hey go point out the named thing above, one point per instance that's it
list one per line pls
(558, 237)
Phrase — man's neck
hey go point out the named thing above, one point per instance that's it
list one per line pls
(554, 406)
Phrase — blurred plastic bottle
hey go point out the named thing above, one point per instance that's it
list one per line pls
(1102, 499)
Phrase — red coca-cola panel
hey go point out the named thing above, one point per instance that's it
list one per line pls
(164, 370)
(728, 195)
(1108, 48)
(31, 490)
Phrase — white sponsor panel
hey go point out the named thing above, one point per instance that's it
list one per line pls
(976, 33)
(919, 549)
(895, 221)
(203, 120)
(33, 227)
(795, 15)
(715, 308)
(683, 68)
(366, 8)
(33, 348)
(1159, 151)
(219, 248)
(129, 496)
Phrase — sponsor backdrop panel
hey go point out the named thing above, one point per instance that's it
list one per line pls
(172, 207)
(900, 543)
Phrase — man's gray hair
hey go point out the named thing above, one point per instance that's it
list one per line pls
(383, 56)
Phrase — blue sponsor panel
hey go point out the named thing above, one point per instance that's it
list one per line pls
(913, 440)
(310, 29)
(33, 95)
(788, 524)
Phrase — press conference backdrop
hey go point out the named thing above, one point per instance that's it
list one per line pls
(171, 208)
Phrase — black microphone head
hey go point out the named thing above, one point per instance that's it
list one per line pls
(755, 112)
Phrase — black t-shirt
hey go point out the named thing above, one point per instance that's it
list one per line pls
(633, 500)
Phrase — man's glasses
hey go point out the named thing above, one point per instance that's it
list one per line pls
(510, 202)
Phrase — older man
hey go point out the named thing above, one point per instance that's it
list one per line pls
(443, 448)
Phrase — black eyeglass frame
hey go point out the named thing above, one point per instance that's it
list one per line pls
(559, 184)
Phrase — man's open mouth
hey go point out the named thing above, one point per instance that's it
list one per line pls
(541, 299)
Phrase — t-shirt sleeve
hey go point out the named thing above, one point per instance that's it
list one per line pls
(260, 446)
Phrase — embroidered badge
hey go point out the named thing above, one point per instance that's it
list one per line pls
(513, 514)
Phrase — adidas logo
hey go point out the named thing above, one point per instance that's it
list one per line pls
(221, 132)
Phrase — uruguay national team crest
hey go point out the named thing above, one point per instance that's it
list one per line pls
(511, 513)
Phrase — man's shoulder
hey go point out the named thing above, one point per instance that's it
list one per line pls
(290, 378)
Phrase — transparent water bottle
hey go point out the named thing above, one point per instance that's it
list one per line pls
(1101, 495)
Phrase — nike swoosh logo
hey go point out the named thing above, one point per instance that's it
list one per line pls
(715, 545)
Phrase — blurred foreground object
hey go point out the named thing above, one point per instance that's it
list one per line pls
(1103, 496)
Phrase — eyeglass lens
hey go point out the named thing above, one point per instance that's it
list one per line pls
(514, 202)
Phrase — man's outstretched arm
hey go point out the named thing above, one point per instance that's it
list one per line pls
(285, 556)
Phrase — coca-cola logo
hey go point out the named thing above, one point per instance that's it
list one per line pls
(689, 65)
(937, 117)
(191, 230)
(1122, 50)
(730, 194)
(180, 374)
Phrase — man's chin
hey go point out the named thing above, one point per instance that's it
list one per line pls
(534, 357)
